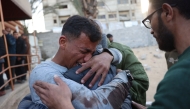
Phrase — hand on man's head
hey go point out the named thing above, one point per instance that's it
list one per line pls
(100, 65)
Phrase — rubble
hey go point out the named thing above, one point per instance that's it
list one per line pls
(143, 57)
(146, 67)
(157, 55)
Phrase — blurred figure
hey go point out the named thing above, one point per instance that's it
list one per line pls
(110, 37)
(20, 49)
(11, 43)
(2, 52)
(27, 51)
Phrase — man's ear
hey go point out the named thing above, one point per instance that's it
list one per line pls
(168, 12)
(62, 42)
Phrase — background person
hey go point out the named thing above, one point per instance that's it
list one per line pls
(20, 49)
(11, 43)
(27, 51)
(2, 52)
(110, 37)
(169, 22)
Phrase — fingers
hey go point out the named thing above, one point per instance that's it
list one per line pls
(41, 95)
(63, 85)
(84, 67)
(88, 75)
(96, 77)
(43, 98)
(93, 69)
(41, 84)
(39, 91)
(102, 79)
(58, 80)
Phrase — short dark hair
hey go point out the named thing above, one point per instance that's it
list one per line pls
(181, 5)
(109, 35)
(77, 24)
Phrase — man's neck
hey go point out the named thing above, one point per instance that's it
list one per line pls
(182, 36)
(58, 59)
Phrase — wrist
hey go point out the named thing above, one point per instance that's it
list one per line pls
(108, 52)
(108, 56)
(66, 105)
(117, 56)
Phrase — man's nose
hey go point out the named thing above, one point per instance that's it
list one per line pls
(87, 57)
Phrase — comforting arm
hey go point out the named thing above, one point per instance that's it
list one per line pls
(109, 96)
(130, 62)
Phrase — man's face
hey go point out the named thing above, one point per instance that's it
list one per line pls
(15, 35)
(163, 36)
(79, 50)
(111, 39)
(8, 30)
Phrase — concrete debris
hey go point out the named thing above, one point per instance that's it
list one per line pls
(172, 60)
(158, 50)
(143, 57)
(157, 55)
(146, 67)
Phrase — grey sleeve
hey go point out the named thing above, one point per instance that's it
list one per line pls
(117, 56)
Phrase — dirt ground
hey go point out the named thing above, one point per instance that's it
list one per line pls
(155, 65)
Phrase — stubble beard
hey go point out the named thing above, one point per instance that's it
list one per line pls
(165, 38)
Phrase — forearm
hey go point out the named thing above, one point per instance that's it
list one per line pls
(66, 104)
(109, 96)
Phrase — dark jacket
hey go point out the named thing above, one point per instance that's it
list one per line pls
(11, 42)
(20, 46)
(2, 47)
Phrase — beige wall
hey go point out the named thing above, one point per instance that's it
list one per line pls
(112, 6)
